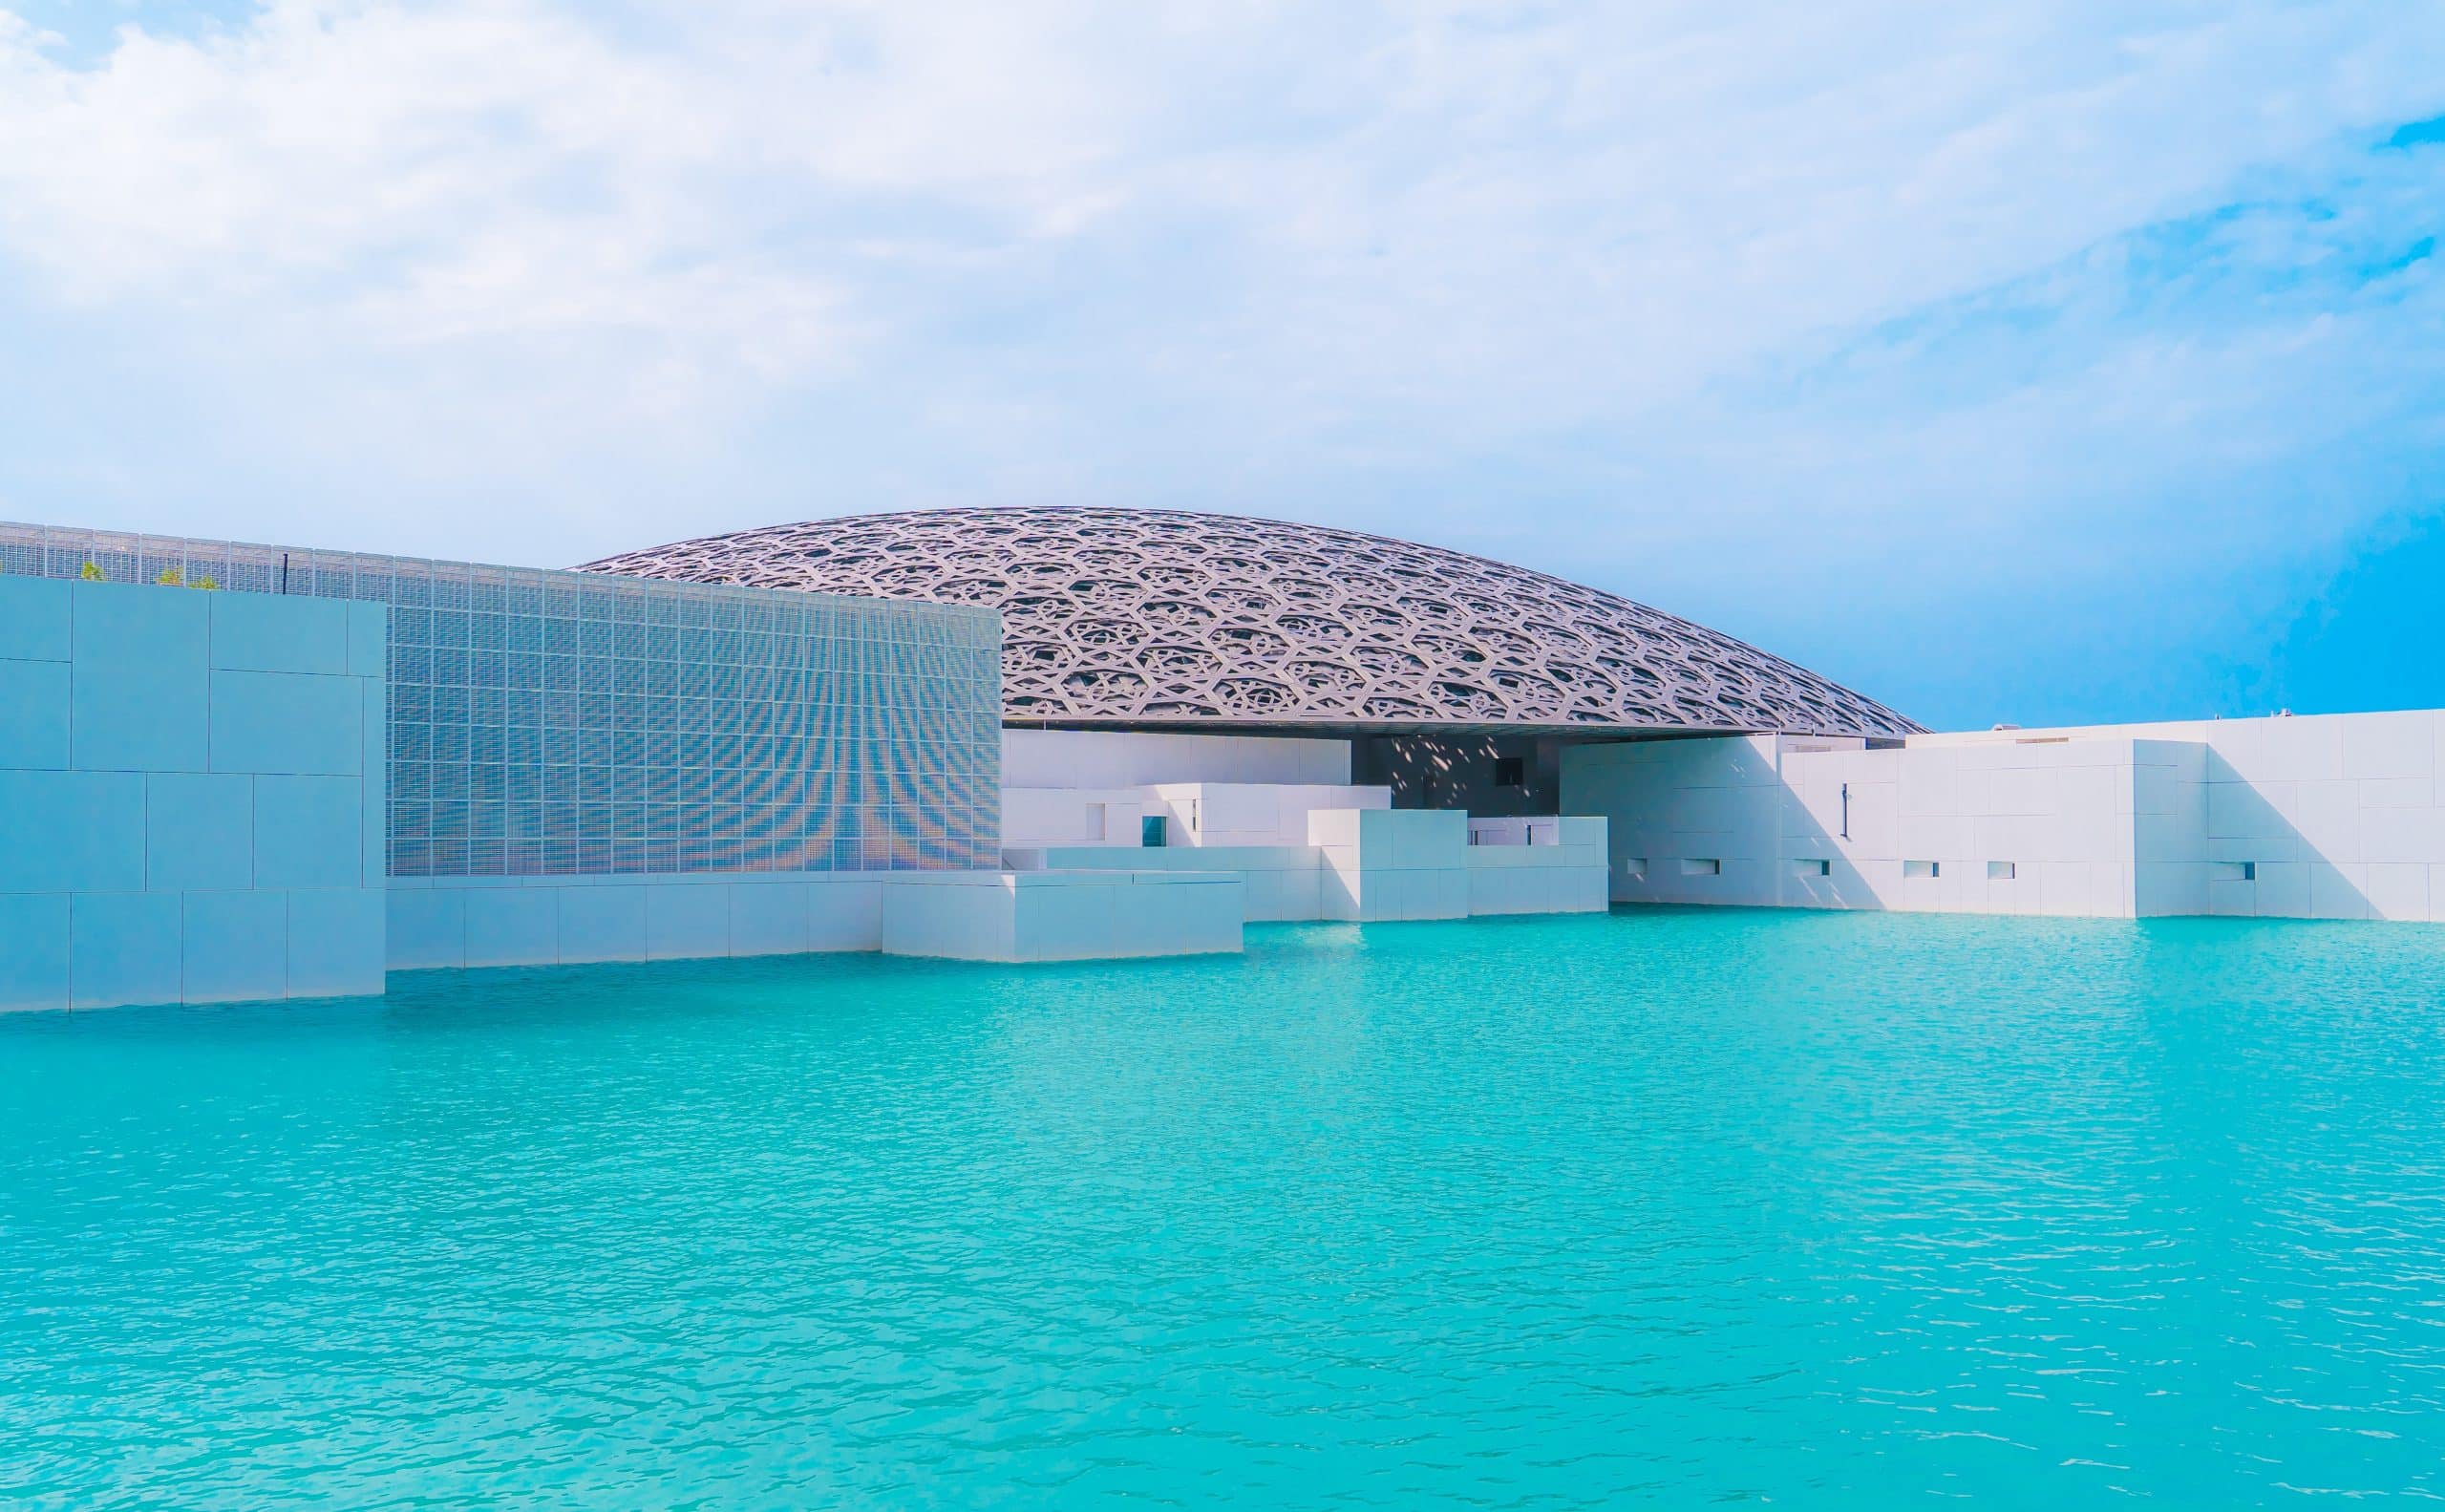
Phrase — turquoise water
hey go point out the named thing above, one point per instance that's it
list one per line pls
(1666, 1209)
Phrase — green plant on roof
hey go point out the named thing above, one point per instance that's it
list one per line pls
(91, 573)
(207, 583)
(171, 578)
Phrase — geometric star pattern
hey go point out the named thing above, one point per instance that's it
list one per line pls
(1166, 618)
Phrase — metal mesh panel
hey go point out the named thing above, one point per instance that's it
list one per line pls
(1137, 617)
(556, 723)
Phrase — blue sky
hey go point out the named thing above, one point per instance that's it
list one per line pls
(2018, 361)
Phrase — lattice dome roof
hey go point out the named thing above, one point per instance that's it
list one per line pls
(1162, 618)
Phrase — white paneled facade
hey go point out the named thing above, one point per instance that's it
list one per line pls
(2321, 817)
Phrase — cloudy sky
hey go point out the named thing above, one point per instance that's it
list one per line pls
(2028, 360)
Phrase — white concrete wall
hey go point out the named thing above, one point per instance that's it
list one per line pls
(1565, 876)
(1393, 864)
(983, 916)
(1201, 814)
(1083, 816)
(1060, 916)
(1112, 759)
(2339, 816)
(455, 922)
(191, 795)
(2317, 816)
(1377, 867)
(1282, 882)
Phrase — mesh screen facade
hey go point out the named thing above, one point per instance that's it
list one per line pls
(564, 723)
(1161, 618)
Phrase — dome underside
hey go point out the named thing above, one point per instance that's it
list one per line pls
(1152, 618)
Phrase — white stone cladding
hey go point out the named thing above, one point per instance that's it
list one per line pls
(2331, 817)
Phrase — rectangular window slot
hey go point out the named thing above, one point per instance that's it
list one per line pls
(1634, 865)
(1816, 867)
(2002, 870)
(1918, 869)
(2236, 871)
(1702, 866)
(1510, 772)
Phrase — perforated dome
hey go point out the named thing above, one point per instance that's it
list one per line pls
(1160, 618)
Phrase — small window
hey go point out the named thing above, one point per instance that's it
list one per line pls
(1150, 830)
(1702, 866)
(1918, 869)
(2236, 871)
(1510, 772)
(2002, 870)
(2249, 871)
(1815, 867)
(1095, 822)
(1634, 865)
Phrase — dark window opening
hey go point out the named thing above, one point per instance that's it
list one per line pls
(1510, 772)
(1150, 830)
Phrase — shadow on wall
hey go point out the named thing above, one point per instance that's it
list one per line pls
(2112, 828)
(1490, 777)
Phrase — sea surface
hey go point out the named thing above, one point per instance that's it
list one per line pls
(1661, 1209)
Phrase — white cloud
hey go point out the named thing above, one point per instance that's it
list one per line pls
(1647, 288)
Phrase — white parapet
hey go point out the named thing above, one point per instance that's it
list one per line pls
(1119, 758)
(1381, 864)
(1282, 882)
(1556, 865)
(1061, 916)
(1208, 813)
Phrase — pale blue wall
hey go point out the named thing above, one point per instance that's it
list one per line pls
(191, 795)
(543, 921)
(570, 724)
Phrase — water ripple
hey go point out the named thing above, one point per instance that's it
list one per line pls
(1660, 1208)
